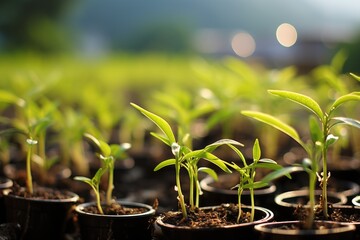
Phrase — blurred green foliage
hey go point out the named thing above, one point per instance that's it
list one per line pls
(33, 25)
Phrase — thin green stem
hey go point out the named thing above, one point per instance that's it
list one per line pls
(110, 184)
(178, 186)
(98, 201)
(324, 164)
(240, 190)
(191, 188)
(311, 216)
(252, 204)
(29, 183)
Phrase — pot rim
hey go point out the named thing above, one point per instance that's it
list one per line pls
(268, 216)
(343, 227)
(279, 199)
(150, 210)
(356, 200)
(73, 199)
(205, 185)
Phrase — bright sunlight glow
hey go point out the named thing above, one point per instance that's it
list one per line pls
(286, 34)
(243, 44)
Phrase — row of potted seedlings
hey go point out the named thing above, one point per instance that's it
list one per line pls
(44, 213)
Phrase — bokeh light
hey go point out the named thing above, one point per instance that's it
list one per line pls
(243, 44)
(286, 34)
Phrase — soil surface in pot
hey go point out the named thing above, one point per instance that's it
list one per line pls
(39, 193)
(115, 209)
(225, 214)
(335, 214)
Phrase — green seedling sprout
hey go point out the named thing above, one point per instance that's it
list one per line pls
(185, 157)
(108, 153)
(247, 175)
(320, 126)
(32, 122)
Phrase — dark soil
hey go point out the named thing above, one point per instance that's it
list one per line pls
(226, 214)
(335, 214)
(40, 193)
(115, 209)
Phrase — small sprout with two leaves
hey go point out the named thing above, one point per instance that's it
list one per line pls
(186, 157)
(108, 153)
(320, 125)
(248, 172)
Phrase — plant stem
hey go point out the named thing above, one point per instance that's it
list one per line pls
(29, 183)
(252, 204)
(191, 189)
(110, 184)
(324, 171)
(240, 190)
(178, 186)
(311, 216)
(98, 202)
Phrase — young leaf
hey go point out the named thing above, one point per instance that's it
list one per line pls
(217, 161)
(354, 96)
(276, 123)
(8, 97)
(83, 179)
(315, 129)
(256, 151)
(347, 121)
(160, 122)
(301, 99)
(355, 76)
(165, 163)
(331, 139)
(209, 171)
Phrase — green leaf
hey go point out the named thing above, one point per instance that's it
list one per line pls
(256, 151)
(96, 179)
(41, 125)
(285, 171)
(347, 121)
(83, 179)
(276, 123)
(209, 171)
(301, 99)
(118, 150)
(355, 76)
(211, 147)
(160, 122)
(165, 163)
(354, 96)
(8, 97)
(315, 129)
(102, 146)
(217, 161)
(331, 139)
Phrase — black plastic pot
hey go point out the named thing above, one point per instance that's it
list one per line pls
(164, 231)
(218, 192)
(5, 183)
(288, 201)
(352, 213)
(40, 218)
(326, 230)
(125, 227)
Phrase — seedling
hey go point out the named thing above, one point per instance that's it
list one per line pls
(185, 157)
(248, 172)
(320, 125)
(32, 122)
(108, 153)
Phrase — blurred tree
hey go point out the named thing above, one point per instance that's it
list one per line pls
(169, 37)
(33, 24)
(352, 50)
